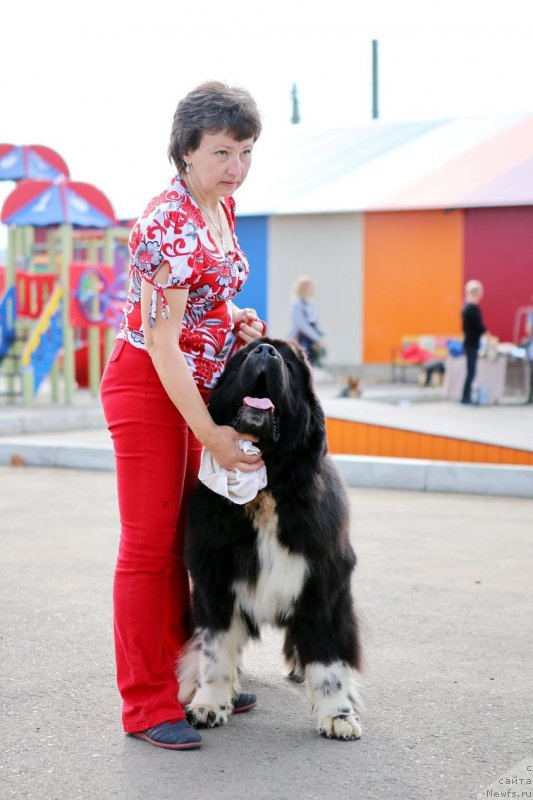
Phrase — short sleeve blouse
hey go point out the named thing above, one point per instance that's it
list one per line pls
(172, 232)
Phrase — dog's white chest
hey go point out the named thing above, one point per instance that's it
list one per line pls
(281, 573)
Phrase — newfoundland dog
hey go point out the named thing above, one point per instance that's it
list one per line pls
(284, 558)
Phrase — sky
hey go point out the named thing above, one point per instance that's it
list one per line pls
(99, 82)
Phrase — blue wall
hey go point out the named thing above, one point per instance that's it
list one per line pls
(252, 233)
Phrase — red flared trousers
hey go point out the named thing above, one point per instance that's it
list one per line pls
(157, 462)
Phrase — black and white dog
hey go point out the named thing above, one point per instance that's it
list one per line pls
(283, 559)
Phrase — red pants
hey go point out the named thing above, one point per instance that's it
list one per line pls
(157, 460)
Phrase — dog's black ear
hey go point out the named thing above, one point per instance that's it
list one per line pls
(309, 426)
(316, 431)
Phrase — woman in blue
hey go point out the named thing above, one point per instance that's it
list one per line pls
(305, 327)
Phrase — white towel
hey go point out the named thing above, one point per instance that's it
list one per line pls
(239, 487)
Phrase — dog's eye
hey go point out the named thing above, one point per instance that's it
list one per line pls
(290, 366)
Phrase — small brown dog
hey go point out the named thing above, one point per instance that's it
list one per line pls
(352, 388)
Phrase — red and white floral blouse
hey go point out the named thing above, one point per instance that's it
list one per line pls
(172, 231)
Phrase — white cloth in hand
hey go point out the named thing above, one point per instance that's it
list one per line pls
(239, 487)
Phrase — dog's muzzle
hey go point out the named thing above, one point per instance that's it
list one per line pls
(257, 415)
(261, 375)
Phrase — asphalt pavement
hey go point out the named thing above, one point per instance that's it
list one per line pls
(444, 589)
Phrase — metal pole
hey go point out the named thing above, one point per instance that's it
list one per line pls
(295, 118)
(375, 89)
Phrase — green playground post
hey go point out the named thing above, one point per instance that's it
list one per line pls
(28, 387)
(28, 237)
(51, 246)
(11, 257)
(68, 333)
(94, 365)
(54, 381)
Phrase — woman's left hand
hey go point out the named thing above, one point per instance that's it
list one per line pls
(247, 324)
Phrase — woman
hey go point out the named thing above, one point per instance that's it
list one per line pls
(305, 327)
(180, 326)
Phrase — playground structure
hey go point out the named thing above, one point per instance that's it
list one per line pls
(63, 285)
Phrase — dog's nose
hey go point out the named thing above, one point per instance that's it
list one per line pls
(265, 350)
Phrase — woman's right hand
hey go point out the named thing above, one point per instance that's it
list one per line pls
(223, 444)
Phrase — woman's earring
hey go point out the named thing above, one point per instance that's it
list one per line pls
(187, 167)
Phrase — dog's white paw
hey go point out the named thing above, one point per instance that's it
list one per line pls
(203, 715)
(345, 727)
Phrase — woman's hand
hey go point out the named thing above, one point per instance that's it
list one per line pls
(223, 444)
(247, 324)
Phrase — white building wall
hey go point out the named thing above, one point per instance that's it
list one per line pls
(329, 247)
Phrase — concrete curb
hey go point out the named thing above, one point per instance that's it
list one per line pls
(28, 421)
(436, 476)
(36, 454)
(365, 471)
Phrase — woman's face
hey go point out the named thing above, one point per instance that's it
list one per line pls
(219, 165)
(308, 290)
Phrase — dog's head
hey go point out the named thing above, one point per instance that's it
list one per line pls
(352, 388)
(266, 390)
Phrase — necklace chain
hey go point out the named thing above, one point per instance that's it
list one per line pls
(210, 218)
(212, 221)
(218, 230)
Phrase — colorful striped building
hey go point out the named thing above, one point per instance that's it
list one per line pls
(391, 220)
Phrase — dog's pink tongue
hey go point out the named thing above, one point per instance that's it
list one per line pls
(263, 403)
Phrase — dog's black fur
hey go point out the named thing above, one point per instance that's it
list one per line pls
(305, 506)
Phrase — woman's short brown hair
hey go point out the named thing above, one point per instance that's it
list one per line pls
(210, 108)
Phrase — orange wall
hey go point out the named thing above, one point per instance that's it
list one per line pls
(358, 438)
(413, 278)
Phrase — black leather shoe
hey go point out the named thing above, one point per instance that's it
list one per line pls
(172, 735)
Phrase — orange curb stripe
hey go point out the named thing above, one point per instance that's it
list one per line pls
(359, 438)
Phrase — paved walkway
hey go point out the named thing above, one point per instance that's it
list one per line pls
(444, 589)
